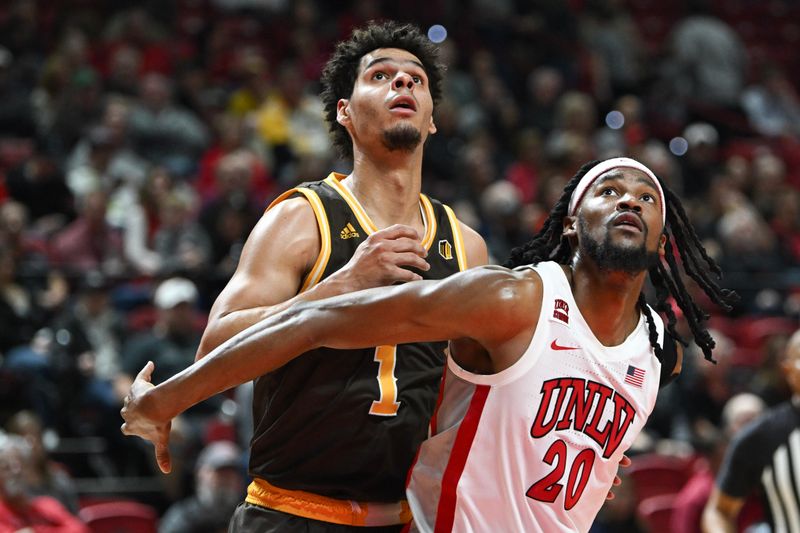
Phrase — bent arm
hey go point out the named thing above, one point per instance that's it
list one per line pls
(283, 247)
(488, 304)
(720, 513)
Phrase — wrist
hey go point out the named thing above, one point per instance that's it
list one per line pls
(337, 284)
(155, 407)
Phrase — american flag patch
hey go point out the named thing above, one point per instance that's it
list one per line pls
(634, 376)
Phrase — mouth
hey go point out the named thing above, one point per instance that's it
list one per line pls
(406, 103)
(628, 220)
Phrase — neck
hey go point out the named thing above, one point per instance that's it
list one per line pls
(607, 300)
(388, 187)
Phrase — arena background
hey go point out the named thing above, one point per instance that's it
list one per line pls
(140, 141)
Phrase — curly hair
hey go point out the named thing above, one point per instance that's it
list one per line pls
(551, 245)
(340, 73)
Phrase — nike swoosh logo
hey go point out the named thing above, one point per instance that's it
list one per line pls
(555, 346)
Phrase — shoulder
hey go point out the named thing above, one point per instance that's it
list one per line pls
(290, 222)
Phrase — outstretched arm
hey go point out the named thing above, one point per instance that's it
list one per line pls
(492, 305)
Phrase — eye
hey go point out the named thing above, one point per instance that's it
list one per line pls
(647, 197)
(417, 79)
(608, 191)
(380, 76)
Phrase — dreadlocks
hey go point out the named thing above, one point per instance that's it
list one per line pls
(551, 245)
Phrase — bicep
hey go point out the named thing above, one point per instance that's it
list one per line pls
(474, 246)
(489, 305)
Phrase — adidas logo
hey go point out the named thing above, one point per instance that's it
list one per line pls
(349, 232)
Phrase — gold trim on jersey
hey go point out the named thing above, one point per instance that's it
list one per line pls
(334, 179)
(316, 507)
(315, 274)
(461, 252)
(430, 219)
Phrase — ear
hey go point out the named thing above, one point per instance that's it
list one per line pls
(432, 127)
(570, 226)
(343, 112)
(662, 242)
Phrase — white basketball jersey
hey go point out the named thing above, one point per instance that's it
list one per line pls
(535, 448)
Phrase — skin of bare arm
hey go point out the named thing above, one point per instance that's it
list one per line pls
(720, 513)
(496, 307)
(268, 278)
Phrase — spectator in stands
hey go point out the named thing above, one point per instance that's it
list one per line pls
(92, 174)
(182, 245)
(173, 340)
(710, 58)
(140, 219)
(164, 133)
(229, 217)
(38, 183)
(219, 487)
(19, 510)
(123, 168)
(772, 104)
(612, 37)
(47, 286)
(740, 410)
(44, 477)
(232, 136)
(545, 85)
(290, 122)
(171, 343)
(89, 243)
(89, 334)
(701, 163)
(20, 315)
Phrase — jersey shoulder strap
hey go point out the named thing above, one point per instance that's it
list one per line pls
(313, 193)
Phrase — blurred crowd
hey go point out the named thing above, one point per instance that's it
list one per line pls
(140, 142)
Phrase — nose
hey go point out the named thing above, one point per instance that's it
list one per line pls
(629, 203)
(402, 79)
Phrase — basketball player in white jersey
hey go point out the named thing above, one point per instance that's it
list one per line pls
(554, 368)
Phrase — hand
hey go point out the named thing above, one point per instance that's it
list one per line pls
(380, 259)
(625, 461)
(139, 424)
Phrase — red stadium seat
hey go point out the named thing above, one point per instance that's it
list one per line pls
(753, 332)
(119, 517)
(658, 475)
(656, 512)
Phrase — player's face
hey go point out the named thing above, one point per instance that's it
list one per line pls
(619, 222)
(391, 101)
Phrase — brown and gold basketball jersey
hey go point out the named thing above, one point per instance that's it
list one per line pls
(347, 423)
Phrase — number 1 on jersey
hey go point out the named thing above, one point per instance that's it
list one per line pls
(387, 404)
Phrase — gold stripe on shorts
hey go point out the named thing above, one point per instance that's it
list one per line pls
(316, 507)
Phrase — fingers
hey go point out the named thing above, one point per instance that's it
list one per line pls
(163, 458)
(625, 461)
(610, 496)
(405, 245)
(617, 481)
(408, 259)
(396, 231)
(147, 372)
